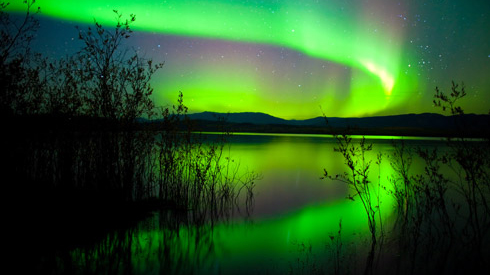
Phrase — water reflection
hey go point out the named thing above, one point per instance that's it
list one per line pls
(293, 207)
(291, 168)
(296, 216)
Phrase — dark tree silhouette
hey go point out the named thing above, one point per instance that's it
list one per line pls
(104, 79)
(16, 76)
(116, 86)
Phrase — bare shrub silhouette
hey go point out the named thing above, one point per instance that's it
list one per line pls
(357, 177)
(116, 86)
(16, 75)
(442, 214)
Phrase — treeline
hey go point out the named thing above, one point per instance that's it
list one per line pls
(103, 79)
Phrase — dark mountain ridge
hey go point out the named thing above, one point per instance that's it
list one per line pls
(431, 120)
(425, 124)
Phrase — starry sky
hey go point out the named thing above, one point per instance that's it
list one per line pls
(295, 59)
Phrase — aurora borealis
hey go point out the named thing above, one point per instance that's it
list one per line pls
(290, 58)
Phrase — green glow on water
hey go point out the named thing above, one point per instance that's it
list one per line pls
(370, 137)
(269, 242)
(242, 246)
(354, 37)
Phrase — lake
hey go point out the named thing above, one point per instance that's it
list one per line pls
(293, 226)
(297, 222)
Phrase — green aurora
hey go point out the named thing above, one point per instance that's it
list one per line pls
(354, 59)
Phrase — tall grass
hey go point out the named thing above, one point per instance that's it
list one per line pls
(194, 175)
(129, 165)
(77, 186)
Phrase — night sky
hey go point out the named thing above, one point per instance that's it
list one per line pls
(293, 59)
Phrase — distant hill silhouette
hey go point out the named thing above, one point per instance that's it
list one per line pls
(247, 117)
(426, 124)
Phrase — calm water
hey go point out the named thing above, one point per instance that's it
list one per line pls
(295, 213)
